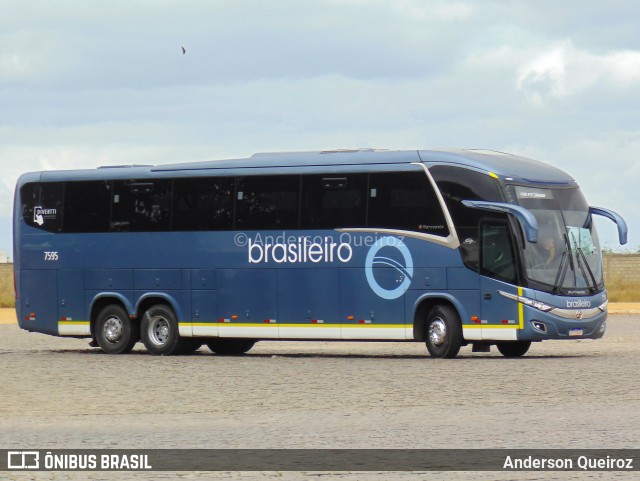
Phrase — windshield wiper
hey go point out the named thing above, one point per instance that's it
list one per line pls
(582, 263)
(562, 272)
(564, 263)
(586, 264)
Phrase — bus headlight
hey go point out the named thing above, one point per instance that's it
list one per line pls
(541, 306)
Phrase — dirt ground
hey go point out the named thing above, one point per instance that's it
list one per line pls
(7, 316)
(60, 393)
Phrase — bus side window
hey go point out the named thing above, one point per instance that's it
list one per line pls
(497, 260)
(43, 205)
(333, 201)
(86, 206)
(30, 195)
(141, 205)
(203, 203)
(267, 202)
(457, 184)
(406, 201)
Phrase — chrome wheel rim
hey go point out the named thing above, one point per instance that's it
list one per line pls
(113, 329)
(159, 330)
(437, 332)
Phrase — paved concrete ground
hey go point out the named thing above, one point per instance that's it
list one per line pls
(60, 393)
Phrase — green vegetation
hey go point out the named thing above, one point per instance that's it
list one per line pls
(7, 298)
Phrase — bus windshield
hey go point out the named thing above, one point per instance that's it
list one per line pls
(567, 257)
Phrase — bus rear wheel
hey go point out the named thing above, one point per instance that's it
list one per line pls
(230, 347)
(159, 331)
(443, 332)
(115, 332)
(513, 349)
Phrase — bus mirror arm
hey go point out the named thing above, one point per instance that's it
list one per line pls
(525, 217)
(615, 217)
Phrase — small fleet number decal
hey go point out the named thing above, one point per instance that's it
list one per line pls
(50, 256)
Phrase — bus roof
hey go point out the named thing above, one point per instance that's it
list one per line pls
(500, 163)
(505, 166)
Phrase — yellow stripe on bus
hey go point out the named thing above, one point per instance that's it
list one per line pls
(273, 324)
(520, 310)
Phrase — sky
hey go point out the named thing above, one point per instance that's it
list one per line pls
(91, 83)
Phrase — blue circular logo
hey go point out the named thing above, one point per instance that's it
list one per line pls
(405, 271)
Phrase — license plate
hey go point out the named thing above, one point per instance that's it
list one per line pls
(576, 332)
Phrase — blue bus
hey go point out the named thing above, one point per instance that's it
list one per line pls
(447, 247)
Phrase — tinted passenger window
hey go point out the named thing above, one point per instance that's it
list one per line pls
(267, 202)
(141, 205)
(497, 252)
(86, 206)
(334, 201)
(203, 204)
(407, 201)
(457, 184)
(42, 205)
(30, 196)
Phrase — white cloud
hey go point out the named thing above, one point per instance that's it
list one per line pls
(562, 70)
(544, 76)
(624, 67)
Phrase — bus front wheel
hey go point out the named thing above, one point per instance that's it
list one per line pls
(513, 349)
(115, 332)
(159, 331)
(443, 332)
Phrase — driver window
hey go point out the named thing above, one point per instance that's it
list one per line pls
(497, 259)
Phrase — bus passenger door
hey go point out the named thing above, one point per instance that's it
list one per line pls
(499, 319)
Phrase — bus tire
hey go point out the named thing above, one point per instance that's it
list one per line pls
(443, 332)
(159, 331)
(514, 348)
(115, 331)
(230, 347)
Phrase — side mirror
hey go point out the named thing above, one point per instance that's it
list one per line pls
(615, 217)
